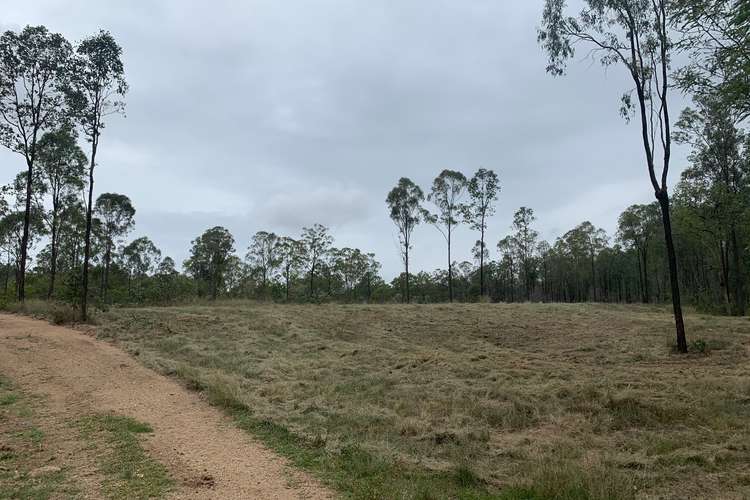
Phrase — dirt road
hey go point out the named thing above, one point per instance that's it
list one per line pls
(206, 455)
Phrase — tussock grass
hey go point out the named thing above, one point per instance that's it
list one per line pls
(470, 400)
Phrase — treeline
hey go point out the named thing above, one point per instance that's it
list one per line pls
(711, 224)
(693, 241)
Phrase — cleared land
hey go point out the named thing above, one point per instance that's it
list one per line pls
(446, 401)
(80, 418)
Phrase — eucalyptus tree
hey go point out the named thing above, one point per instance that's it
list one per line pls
(291, 254)
(373, 268)
(483, 188)
(636, 229)
(317, 241)
(405, 205)
(526, 240)
(584, 243)
(116, 214)
(446, 194)
(717, 37)
(719, 177)
(33, 66)
(634, 34)
(141, 258)
(209, 258)
(508, 248)
(353, 266)
(263, 255)
(95, 89)
(544, 250)
(61, 165)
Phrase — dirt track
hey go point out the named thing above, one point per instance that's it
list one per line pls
(204, 452)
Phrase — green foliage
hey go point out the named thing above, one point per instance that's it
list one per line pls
(209, 259)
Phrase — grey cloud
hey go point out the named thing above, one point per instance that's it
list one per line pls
(273, 115)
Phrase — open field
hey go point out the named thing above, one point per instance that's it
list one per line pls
(520, 401)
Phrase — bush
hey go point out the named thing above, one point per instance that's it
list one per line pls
(699, 346)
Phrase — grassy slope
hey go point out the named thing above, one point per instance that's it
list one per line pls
(527, 401)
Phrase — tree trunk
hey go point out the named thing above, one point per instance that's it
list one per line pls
(740, 302)
(406, 260)
(481, 261)
(312, 277)
(53, 256)
(21, 287)
(593, 275)
(87, 238)
(287, 283)
(724, 260)
(7, 276)
(105, 278)
(646, 292)
(663, 198)
(641, 275)
(450, 268)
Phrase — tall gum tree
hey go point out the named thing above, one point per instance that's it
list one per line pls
(33, 66)
(447, 192)
(116, 215)
(95, 88)
(61, 165)
(483, 188)
(405, 207)
(634, 34)
(317, 242)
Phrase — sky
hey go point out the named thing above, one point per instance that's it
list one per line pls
(269, 115)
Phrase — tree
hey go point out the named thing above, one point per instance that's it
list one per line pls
(116, 213)
(95, 87)
(633, 34)
(209, 257)
(353, 266)
(141, 258)
(291, 254)
(525, 239)
(263, 255)
(61, 165)
(447, 191)
(720, 172)
(317, 241)
(373, 268)
(404, 202)
(32, 68)
(636, 229)
(508, 250)
(483, 188)
(716, 36)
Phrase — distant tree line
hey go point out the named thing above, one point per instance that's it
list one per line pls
(691, 244)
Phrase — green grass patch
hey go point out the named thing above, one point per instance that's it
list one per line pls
(360, 474)
(130, 472)
(24, 470)
(36, 487)
(9, 399)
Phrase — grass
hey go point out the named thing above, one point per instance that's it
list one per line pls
(57, 313)
(516, 401)
(28, 456)
(22, 470)
(129, 472)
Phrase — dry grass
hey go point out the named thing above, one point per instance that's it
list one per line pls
(528, 401)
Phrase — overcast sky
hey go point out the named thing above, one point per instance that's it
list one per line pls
(274, 115)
